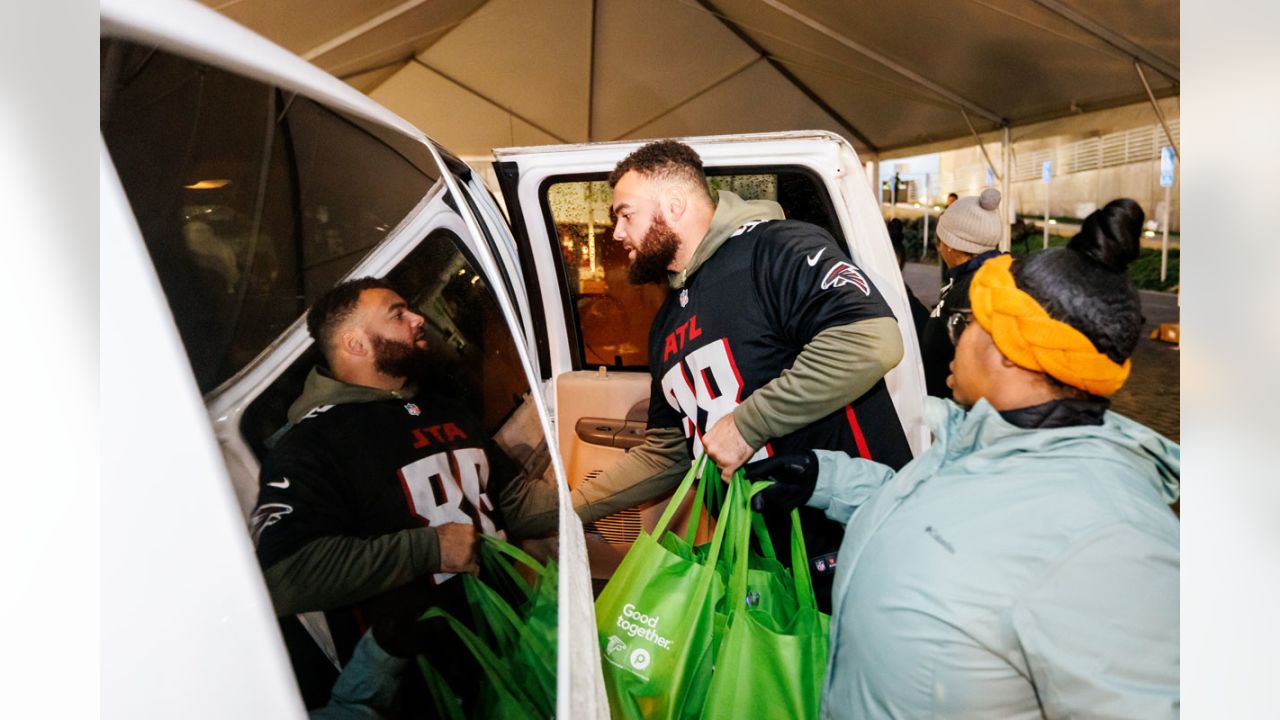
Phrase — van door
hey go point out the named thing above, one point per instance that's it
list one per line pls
(596, 323)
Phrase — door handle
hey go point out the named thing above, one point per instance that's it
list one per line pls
(624, 434)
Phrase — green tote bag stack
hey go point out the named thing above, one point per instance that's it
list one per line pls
(656, 617)
(773, 656)
(514, 646)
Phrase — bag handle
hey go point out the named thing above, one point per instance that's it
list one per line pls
(805, 597)
(497, 551)
(507, 626)
(695, 472)
(717, 539)
(762, 535)
(799, 556)
(447, 705)
(489, 663)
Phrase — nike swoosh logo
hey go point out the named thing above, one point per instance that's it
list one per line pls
(814, 260)
(282, 484)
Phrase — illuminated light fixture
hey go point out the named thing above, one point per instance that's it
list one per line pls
(208, 184)
(1149, 233)
(917, 205)
(475, 279)
(1053, 222)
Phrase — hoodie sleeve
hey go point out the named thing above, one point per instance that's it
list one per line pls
(644, 473)
(1100, 630)
(338, 570)
(834, 369)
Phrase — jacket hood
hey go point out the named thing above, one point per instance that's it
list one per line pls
(1118, 439)
(732, 212)
(322, 390)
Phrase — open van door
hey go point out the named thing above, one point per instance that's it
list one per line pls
(595, 324)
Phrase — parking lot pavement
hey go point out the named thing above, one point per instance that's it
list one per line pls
(1151, 396)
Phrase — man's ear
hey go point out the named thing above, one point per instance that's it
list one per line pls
(675, 200)
(352, 341)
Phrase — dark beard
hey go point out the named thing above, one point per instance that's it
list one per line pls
(654, 254)
(395, 358)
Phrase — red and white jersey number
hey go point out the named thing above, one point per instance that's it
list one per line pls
(704, 387)
(436, 485)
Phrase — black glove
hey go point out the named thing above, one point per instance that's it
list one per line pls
(794, 478)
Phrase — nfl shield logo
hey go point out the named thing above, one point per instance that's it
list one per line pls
(412, 409)
(684, 297)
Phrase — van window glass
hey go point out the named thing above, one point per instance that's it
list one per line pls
(472, 357)
(251, 200)
(612, 315)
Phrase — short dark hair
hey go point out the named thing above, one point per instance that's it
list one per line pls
(335, 306)
(666, 160)
(1085, 284)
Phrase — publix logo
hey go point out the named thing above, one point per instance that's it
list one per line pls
(640, 658)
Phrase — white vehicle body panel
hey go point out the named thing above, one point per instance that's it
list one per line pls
(187, 626)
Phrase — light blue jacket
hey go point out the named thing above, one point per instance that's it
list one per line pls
(1006, 573)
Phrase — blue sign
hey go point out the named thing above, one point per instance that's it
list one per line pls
(1046, 172)
(1166, 166)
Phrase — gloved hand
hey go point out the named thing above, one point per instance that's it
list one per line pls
(794, 478)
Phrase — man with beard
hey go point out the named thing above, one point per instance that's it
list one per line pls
(371, 501)
(769, 339)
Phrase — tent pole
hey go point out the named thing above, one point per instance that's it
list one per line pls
(978, 139)
(1156, 106)
(875, 182)
(1006, 236)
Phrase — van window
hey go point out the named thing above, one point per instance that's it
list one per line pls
(612, 316)
(252, 200)
(473, 358)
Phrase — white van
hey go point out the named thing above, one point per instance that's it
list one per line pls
(238, 183)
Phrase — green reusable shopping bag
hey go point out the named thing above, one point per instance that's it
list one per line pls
(506, 697)
(656, 619)
(523, 636)
(764, 667)
(514, 646)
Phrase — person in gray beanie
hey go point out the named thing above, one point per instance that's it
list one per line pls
(968, 235)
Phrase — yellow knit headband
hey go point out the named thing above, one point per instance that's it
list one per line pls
(1026, 334)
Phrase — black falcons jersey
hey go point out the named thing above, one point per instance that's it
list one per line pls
(367, 469)
(743, 318)
(739, 322)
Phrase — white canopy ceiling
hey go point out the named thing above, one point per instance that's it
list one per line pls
(479, 74)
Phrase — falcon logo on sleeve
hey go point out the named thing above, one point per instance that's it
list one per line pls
(266, 516)
(841, 274)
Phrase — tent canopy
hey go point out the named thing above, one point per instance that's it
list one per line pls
(479, 74)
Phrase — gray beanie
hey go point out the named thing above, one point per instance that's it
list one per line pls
(972, 224)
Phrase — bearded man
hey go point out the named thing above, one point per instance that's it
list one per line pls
(770, 340)
(370, 502)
